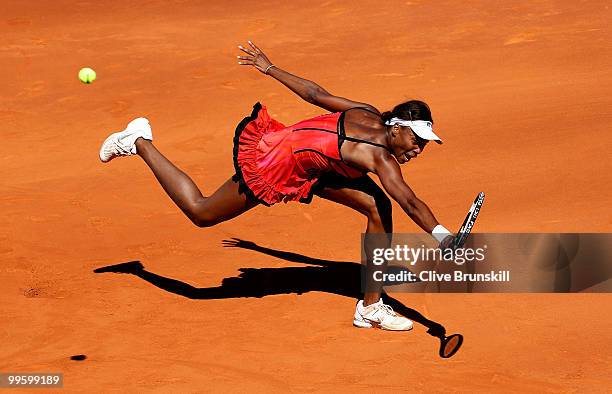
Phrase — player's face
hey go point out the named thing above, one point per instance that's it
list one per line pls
(410, 146)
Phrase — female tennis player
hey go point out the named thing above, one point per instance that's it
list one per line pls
(328, 156)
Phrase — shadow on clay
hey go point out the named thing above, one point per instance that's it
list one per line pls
(336, 277)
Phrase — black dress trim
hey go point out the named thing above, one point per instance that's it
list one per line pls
(314, 128)
(243, 188)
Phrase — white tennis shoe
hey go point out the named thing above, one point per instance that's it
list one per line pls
(123, 142)
(380, 315)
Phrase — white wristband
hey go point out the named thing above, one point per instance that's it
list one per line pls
(440, 232)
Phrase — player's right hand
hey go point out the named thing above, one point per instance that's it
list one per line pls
(447, 242)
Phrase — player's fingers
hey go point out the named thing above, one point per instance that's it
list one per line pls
(245, 58)
(254, 47)
(247, 51)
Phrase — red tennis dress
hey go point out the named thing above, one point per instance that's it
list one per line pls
(277, 163)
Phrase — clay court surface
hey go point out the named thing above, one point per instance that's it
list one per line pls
(520, 92)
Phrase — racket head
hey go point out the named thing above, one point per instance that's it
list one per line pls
(450, 345)
(468, 223)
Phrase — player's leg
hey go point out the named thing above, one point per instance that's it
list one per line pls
(222, 205)
(366, 197)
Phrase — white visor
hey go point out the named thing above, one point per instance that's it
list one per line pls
(422, 128)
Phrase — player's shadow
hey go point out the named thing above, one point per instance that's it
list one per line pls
(336, 277)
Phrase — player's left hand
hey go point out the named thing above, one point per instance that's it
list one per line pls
(255, 57)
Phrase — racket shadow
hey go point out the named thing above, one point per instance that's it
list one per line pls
(342, 278)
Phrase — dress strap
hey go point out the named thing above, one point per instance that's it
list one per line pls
(343, 137)
(366, 142)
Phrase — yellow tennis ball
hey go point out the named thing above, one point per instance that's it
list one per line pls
(87, 75)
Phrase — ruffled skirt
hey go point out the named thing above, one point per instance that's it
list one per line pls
(266, 169)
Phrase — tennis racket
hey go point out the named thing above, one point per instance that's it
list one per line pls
(449, 345)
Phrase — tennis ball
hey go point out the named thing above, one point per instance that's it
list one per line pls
(87, 75)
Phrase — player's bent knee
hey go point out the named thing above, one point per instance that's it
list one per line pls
(205, 221)
(201, 223)
(201, 219)
(201, 215)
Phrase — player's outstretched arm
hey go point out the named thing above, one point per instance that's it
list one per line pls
(307, 90)
(390, 176)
